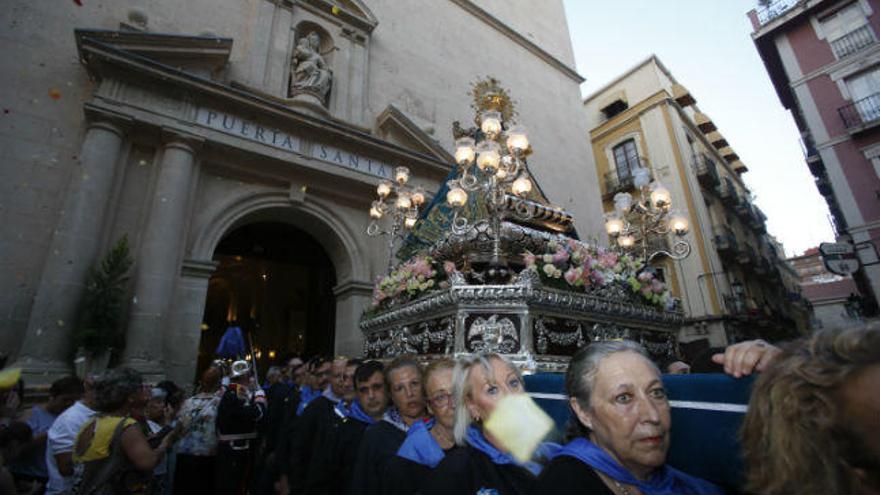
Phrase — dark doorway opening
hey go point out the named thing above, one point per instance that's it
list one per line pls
(276, 283)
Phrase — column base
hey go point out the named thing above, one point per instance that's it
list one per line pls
(152, 371)
(38, 372)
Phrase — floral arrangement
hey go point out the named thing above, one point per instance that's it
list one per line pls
(410, 279)
(573, 264)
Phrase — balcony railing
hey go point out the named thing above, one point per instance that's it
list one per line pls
(725, 242)
(853, 41)
(706, 170)
(615, 184)
(728, 192)
(743, 209)
(746, 255)
(861, 113)
(775, 9)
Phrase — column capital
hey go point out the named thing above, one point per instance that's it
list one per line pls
(356, 287)
(110, 120)
(198, 268)
(177, 138)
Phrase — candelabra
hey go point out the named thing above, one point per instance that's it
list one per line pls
(631, 224)
(401, 204)
(496, 172)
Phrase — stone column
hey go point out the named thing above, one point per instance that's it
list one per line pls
(183, 333)
(159, 259)
(352, 297)
(74, 248)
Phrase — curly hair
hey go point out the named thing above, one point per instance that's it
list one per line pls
(795, 436)
(114, 388)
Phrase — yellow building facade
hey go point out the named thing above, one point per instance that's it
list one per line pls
(732, 285)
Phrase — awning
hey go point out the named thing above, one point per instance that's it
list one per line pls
(682, 96)
(717, 140)
(704, 122)
(729, 154)
(739, 167)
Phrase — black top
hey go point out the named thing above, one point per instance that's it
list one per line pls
(405, 477)
(312, 445)
(236, 415)
(351, 432)
(282, 401)
(466, 471)
(379, 445)
(567, 475)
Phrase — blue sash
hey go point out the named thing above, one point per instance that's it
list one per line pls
(665, 481)
(355, 412)
(476, 440)
(420, 446)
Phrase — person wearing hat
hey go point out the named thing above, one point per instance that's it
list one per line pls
(240, 411)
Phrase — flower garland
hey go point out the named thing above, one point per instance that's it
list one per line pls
(410, 279)
(573, 264)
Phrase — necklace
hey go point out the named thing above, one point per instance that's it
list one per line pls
(620, 488)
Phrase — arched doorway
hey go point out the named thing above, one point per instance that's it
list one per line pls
(276, 282)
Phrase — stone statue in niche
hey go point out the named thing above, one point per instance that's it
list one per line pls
(310, 72)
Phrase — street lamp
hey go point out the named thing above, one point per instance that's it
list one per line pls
(402, 210)
(635, 221)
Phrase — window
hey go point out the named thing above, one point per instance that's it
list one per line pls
(847, 30)
(626, 158)
(843, 22)
(863, 90)
(616, 107)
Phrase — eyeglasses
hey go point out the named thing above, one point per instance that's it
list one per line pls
(441, 400)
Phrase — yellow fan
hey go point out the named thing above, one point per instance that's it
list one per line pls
(8, 378)
(519, 425)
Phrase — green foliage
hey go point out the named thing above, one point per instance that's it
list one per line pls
(102, 304)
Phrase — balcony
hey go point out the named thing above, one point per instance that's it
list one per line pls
(725, 242)
(824, 186)
(746, 256)
(862, 114)
(743, 209)
(615, 184)
(729, 196)
(774, 9)
(757, 220)
(853, 41)
(706, 170)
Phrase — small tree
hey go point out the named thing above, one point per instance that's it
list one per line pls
(101, 308)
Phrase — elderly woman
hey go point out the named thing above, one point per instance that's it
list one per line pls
(481, 465)
(813, 419)
(427, 443)
(111, 454)
(620, 428)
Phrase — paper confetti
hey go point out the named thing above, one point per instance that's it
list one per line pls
(519, 425)
(78, 2)
(55, 94)
(8, 378)
(335, 10)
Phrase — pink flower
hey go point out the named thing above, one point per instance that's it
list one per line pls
(657, 286)
(572, 275)
(529, 258)
(608, 260)
(598, 277)
(560, 257)
(646, 291)
(448, 267)
(645, 276)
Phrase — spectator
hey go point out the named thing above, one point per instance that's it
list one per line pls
(197, 448)
(109, 455)
(481, 464)
(31, 465)
(813, 418)
(62, 434)
(620, 428)
(13, 439)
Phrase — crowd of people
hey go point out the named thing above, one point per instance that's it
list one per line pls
(339, 425)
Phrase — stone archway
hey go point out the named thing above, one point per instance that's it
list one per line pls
(342, 246)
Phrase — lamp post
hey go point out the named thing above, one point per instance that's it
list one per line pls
(400, 203)
(491, 162)
(633, 222)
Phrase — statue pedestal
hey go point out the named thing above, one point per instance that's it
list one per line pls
(309, 103)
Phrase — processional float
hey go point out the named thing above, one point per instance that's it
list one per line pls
(490, 265)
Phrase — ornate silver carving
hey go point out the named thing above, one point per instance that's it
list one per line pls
(495, 334)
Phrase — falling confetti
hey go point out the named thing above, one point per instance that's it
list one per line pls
(142, 163)
(60, 323)
(335, 10)
(78, 2)
(5, 111)
(55, 94)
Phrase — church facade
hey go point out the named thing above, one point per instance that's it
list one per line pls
(237, 146)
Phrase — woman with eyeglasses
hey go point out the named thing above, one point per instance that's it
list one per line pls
(427, 443)
(481, 465)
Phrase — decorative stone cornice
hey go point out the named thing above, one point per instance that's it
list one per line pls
(358, 287)
(521, 40)
(172, 137)
(108, 119)
(198, 268)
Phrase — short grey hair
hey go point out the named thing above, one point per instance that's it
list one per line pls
(113, 389)
(461, 387)
(580, 379)
(273, 371)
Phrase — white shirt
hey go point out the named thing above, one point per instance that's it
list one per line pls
(62, 435)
